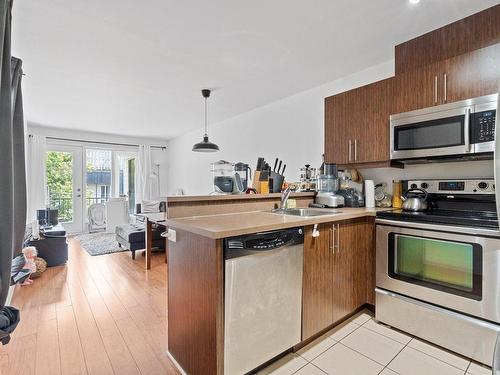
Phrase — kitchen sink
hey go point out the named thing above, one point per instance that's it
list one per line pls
(305, 212)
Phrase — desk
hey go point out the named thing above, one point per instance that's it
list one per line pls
(154, 218)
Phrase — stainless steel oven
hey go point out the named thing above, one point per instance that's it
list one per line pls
(441, 283)
(457, 129)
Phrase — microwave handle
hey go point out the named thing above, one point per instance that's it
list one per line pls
(496, 159)
(467, 130)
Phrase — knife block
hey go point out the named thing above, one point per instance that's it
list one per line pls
(256, 181)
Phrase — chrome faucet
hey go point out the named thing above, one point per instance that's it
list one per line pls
(285, 194)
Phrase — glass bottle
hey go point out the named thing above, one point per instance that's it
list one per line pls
(397, 191)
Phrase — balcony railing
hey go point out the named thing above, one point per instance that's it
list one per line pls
(64, 204)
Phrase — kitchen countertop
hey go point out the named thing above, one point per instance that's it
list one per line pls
(229, 225)
(228, 197)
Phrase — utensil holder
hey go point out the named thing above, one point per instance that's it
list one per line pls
(278, 180)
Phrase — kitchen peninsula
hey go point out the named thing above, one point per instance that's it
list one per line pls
(340, 243)
(199, 205)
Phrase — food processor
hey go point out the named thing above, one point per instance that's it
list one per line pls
(223, 176)
(327, 186)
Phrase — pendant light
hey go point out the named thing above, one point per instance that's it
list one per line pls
(205, 145)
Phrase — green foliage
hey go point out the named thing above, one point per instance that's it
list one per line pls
(60, 173)
(60, 182)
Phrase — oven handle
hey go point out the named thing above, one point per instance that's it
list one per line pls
(440, 228)
(496, 158)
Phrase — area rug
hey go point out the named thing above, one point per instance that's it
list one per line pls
(99, 243)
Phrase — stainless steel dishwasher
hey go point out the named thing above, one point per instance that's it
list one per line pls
(263, 297)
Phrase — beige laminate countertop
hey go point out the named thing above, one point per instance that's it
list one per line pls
(230, 197)
(229, 225)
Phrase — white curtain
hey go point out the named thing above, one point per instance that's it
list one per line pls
(143, 174)
(36, 178)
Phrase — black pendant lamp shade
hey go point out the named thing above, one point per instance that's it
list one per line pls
(205, 145)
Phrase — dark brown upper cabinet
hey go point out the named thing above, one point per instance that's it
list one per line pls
(473, 74)
(357, 125)
(474, 32)
(462, 77)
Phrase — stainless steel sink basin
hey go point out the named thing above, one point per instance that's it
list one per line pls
(305, 212)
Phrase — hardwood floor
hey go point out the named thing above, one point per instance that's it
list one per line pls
(96, 315)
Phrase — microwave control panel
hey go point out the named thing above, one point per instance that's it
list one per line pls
(484, 126)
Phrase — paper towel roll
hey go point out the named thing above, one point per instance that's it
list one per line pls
(369, 194)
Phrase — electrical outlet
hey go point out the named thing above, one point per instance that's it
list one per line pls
(172, 235)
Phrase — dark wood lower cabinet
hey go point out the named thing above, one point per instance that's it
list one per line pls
(338, 272)
(353, 243)
(317, 296)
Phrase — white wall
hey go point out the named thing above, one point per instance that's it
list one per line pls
(291, 129)
(157, 155)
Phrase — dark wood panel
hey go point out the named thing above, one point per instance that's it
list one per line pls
(375, 164)
(476, 31)
(337, 129)
(373, 105)
(317, 289)
(472, 74)
(359, 117)
(195, 302)
(349, 266)
(370, 261)
(417, 88)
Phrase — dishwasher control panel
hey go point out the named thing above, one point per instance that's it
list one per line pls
(265, 240)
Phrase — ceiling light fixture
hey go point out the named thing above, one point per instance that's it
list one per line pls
(205, 145)
(414, 1)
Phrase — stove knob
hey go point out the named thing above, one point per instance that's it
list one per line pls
(413, 186)
(424, 185)
(482, 185)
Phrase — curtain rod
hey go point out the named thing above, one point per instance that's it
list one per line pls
(100, 142)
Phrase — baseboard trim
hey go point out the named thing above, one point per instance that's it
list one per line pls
(176, 364)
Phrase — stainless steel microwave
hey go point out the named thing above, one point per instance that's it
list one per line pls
(455, 129)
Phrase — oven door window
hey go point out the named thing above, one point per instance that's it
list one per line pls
(448, 266)
(447, 132)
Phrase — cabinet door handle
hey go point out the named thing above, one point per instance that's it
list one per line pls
(338, 238)
(445, 87)
(355, 150)
(350, 149)
(332, 240)
(435, 89)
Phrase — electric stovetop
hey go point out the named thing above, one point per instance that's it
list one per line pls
(469, 218)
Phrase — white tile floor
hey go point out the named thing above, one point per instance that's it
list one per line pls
(360, 346)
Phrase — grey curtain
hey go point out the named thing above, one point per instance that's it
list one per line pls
(18, 157)
(12, 163)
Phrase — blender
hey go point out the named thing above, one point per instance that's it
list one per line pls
(327, 186)
(245, 174)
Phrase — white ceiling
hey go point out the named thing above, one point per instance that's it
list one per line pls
(136, 67)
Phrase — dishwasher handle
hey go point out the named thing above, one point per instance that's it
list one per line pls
(265, 241)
